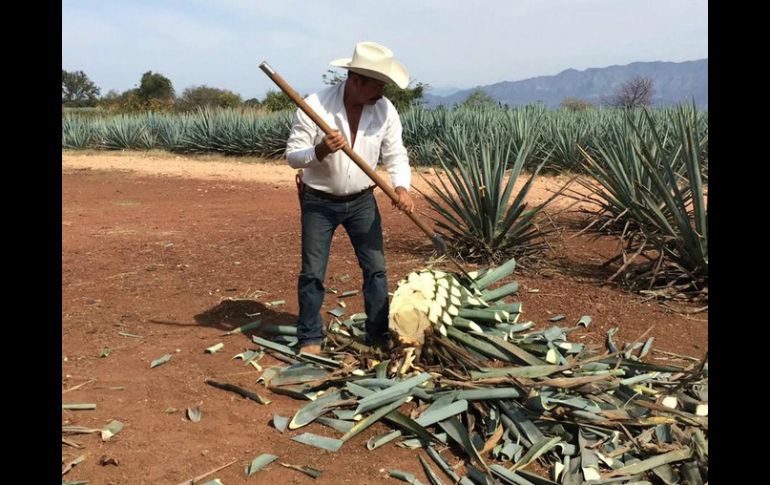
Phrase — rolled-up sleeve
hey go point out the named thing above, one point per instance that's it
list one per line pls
(300, 147)
(394, 155)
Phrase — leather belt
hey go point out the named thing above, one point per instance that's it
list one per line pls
(336, 198)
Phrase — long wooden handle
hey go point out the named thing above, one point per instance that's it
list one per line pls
(281, 83)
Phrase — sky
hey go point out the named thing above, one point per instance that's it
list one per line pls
(460, 44)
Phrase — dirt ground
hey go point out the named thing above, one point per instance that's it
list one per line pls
(159, 246)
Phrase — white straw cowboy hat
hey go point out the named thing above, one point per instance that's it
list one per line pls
(376, 61)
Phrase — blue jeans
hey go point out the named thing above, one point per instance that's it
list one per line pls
(361, 220)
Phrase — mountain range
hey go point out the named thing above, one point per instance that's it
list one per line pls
(673, 83)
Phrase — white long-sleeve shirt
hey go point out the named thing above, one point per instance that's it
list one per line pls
(379, 134)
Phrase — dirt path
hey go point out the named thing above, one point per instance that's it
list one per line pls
(248, 169)
(162, 247)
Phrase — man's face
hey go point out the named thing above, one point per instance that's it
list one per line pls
(368, 90)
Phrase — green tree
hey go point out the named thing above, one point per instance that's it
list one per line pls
(229, 99)
(478, 99)
(128, 101)
(77, 90)
(155, 86)
(199, 96)
(402, 99)
(110, 100)
(277, 101)
(253, 103)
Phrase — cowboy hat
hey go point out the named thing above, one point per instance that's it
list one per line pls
(375, 61)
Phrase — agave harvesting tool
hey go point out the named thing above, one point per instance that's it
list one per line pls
(438, 243)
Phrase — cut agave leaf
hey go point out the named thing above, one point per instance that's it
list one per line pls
(479, 477)
(126, 334)
(298, 375)
(443, 464)
(78, 430)
(513, 349)
(391, 394)
(243, 328)
(336, 424)
(538, 449)
(328, 444)
(274, 346)
(309, 412)
(160, 361)
(439, 411)
(404, 476)
(345, 414)
(532, 433)
(414, 443)
(279, 329)
(510, 477)
(215, 348)
(373, 418)
(538, 480)
(666, 474)
(79, 406)
(69, 466)
(530, 372)
(490, 394)
(318, 360)
(378, 440)
(646, 348)
(494, 275)
(259, 463)
(194, 414)
(268, 375)
(457, 431)
(111, 430)
(337, 312)
(434, 479)
(238, 390)
(280, 422)
(247, 355)
(485, 348)
(650, 463)
(500, 292)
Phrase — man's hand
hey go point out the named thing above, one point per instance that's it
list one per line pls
(330, 144)
(405, 202)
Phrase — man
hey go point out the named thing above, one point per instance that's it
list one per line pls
(335, 191)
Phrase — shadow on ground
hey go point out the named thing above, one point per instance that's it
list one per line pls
(232, 313)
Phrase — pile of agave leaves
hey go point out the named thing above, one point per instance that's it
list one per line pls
(499, 394)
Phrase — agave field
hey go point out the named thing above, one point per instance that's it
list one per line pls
(513, 395)
(647, 171)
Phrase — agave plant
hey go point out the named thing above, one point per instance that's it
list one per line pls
(478, 210)
(124, 133)
(167, 130)
(76, 132)
(566, 132)
(270, 134)
(651, 181)
(680, 227)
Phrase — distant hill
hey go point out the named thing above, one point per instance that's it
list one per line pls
(673, 82)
